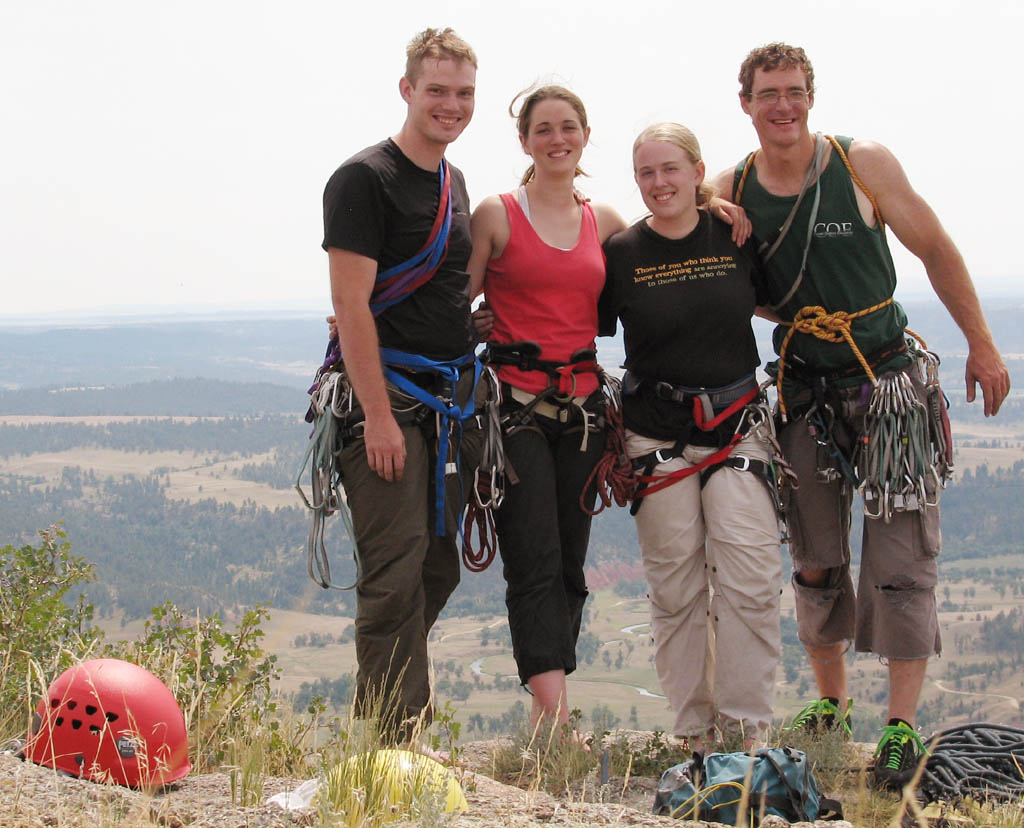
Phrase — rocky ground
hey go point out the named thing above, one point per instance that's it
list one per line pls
(33, 796)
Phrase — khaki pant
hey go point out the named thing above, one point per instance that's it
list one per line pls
(714, 571)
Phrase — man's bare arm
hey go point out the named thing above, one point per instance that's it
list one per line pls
(352, 280)
(722, 182)
(919, 229)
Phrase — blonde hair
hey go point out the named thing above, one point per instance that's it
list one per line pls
(682, 137)
(531, 97)
(437, 44)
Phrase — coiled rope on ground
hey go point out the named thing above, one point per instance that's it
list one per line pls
(981, 760)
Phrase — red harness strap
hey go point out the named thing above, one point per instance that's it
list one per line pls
(651, 483)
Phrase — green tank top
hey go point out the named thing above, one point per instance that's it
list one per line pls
(849, 268)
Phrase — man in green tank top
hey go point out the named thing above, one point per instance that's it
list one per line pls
(816, 205)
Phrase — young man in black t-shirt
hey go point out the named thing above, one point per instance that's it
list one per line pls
(380, 209)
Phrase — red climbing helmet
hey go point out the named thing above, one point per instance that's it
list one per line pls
(111, 721)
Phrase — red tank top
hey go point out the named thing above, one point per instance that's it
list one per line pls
(542, 294)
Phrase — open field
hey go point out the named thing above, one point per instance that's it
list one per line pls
(197, 475)
(192, 475)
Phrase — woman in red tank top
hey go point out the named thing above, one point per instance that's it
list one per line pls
(537, 258)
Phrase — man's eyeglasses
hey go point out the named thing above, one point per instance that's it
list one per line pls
(794, 96)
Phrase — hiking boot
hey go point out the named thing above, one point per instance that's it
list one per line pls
(898, 753)
(821, 716)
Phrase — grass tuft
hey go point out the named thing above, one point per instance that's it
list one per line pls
(549, 756)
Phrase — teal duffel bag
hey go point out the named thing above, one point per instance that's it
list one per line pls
(778, 781)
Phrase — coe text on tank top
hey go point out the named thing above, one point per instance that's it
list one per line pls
(849, 266)
(542, 294)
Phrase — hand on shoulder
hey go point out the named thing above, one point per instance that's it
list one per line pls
(722, 182)
(609, 222)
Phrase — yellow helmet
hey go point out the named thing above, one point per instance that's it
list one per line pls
(387, 783)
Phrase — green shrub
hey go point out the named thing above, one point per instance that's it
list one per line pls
(40, 635)
(223, 681)
(648, 755)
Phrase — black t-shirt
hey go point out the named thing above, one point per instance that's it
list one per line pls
(381, 205)
(685, 306)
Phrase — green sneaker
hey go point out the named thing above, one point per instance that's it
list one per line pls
(822, 715)
(898, 753)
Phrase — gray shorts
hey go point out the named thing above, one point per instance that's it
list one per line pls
(893, 611)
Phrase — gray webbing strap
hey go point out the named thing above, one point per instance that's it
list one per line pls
(814, 171)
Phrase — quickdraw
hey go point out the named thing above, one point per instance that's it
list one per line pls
(833, 462)
(331, 408)
(905, 444)
(330, 403)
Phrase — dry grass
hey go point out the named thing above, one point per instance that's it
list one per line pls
(549, 756)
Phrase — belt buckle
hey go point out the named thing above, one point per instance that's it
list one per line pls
(746, 462)
(663, 391)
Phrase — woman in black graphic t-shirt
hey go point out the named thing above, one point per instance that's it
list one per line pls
(685, 292)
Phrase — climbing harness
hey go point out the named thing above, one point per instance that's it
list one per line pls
(777, 474)
(450, 415)
(337, 422)
(494, 471)
(905, 445)
(830, 327)
(978, 760)
(726, 401)
(612, 477)
(555, 402)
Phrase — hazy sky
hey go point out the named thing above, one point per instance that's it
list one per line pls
(164, 157)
